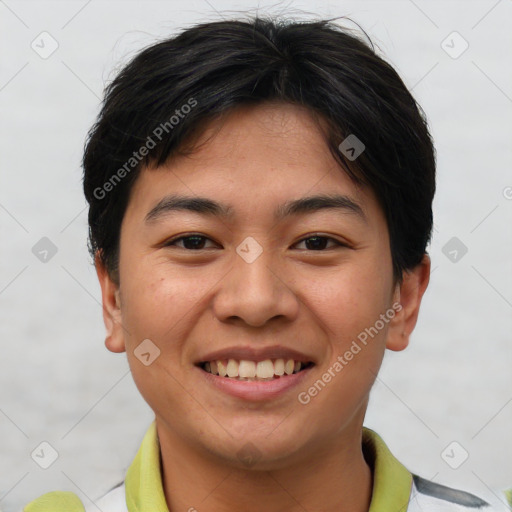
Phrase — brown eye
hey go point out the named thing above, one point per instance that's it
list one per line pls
(189, 242)
(319, 243)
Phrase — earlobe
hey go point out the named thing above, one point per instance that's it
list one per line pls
(409, 295)
(114, 339)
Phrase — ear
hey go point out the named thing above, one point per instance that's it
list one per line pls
(408, 295)
(114, 339)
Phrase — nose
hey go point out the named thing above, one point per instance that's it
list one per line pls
(255, 293)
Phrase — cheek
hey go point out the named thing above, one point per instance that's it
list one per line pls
(348, 307)
(158, 301)
(159, 304)
(348, 301)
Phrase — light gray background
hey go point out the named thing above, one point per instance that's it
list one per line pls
(59, 384)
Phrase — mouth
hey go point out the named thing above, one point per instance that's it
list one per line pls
(255, 374)
(251, 370)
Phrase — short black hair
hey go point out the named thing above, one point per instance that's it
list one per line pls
(169, 91)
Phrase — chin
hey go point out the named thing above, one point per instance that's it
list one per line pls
(271, 446)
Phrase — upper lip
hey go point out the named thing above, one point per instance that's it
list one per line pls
(256, 354)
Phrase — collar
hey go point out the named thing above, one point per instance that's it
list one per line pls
(391, 481)
(143, 481)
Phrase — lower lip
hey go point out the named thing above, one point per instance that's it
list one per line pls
(256, 390)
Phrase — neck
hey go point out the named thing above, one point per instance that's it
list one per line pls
(333, 474)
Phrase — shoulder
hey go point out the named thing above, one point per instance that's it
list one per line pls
(427, 495)
(63, 501)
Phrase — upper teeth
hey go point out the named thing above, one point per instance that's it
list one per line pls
(251, 369)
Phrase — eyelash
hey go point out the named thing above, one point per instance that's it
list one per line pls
(173, 241)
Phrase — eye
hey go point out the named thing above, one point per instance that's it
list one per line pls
(197, 242)
(319, 242)
(190, 242)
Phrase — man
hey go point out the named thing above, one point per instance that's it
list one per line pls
(260, 204)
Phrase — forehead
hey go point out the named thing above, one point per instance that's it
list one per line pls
(274, 132)
(258, 156)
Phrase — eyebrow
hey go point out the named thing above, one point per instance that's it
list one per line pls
(208, 207)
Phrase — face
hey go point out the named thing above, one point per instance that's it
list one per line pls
(257, 274)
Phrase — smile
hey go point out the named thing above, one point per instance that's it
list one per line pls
(246, 370)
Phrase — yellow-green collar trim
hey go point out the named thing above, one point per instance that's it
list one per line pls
(56, 501)
(143, 483)
(391, 481)
(508, 496)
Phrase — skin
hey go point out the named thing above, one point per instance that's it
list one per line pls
(190, 301)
